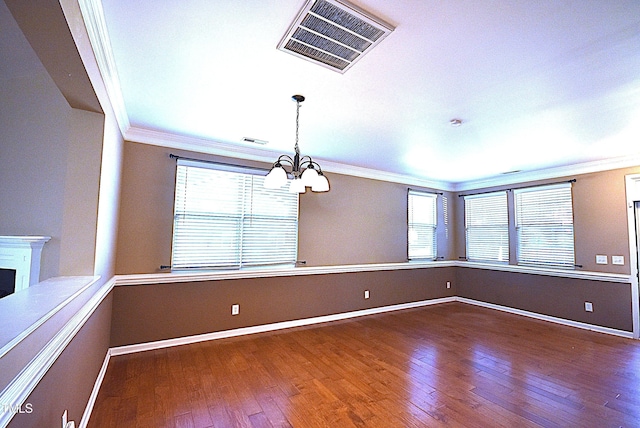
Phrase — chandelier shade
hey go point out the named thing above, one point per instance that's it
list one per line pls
(305, 172)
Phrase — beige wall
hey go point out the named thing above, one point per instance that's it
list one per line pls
(359, 221)
(34, 142)
(600, 218)
(146, 209)
(81, 190)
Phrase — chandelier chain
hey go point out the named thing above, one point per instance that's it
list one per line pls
(297, 125)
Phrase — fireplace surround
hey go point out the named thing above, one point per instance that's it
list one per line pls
(22, 254)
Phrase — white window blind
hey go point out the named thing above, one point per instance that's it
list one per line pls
(225, 218)
(544, 226)
(487, 227)
(422, 222)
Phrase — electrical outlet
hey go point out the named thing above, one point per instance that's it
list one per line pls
(601, 260)
(366, 294)
(617, 260)
(588, 306)
(235, 309)
(448, 284)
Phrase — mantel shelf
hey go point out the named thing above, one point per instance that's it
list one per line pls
(22, 254)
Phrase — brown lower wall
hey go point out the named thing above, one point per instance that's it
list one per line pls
(69, 382)
(154, 312)
(549, 295)
(145, 313)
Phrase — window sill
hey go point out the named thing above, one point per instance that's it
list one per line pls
(271, 272)
(532, 270)
(164, 278)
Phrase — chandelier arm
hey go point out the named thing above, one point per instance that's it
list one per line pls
(306, 160)
(284, 158)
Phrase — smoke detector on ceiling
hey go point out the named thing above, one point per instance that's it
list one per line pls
(333, 34)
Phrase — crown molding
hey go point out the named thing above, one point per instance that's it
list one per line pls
(202, 145)
(94, 21)
(550, 173)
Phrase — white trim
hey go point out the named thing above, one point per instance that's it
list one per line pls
(549, 173)
(94, 392)
(163, 278)
(33, 327)
(633, 195)
(373, 174)
(213, 147)
(202, 145)
(129, 349)
(573, 274)
(96, 25)
(549, 318)
(19, 389)
(176, 277)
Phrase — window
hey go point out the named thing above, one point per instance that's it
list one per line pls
(544, 226)
(422, 225)
(487, 227)
(225, 218)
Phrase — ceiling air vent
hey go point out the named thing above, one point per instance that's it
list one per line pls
(333, 33)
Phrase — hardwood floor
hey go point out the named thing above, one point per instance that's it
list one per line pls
(445, 365)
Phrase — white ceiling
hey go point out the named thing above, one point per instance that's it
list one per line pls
(537, 84)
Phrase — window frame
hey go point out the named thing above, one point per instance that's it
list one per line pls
(558, 232)
(492, 232)
(417, 228)
(249, 206)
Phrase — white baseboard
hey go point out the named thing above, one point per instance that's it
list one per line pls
(94, 392)
(128, 349)
(549, 318)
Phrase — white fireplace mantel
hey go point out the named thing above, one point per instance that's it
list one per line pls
(22, 254)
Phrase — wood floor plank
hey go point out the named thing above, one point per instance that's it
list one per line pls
(444, 365)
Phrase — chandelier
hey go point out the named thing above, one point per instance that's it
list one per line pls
(305, 172)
